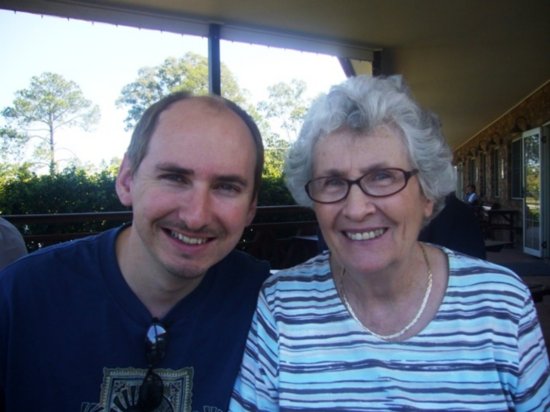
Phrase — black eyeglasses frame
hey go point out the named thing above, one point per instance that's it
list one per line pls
(407, 174)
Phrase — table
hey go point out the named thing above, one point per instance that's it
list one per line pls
(502, 219)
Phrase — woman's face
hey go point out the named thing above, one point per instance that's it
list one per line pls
(364, 233)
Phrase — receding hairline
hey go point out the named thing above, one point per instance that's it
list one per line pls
(212, 102)
(216, 104)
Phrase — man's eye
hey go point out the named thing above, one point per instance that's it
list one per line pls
(229, 188)
(173, 177)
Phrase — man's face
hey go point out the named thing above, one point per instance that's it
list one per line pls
(192, 195)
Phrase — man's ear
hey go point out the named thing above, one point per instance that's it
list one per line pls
(252, 211)
(123, 182)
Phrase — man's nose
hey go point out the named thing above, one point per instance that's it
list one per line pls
(195, 209)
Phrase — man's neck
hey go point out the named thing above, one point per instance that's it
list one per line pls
(157, 289)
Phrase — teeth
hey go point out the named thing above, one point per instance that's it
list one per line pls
(365, 235)
(188, 240)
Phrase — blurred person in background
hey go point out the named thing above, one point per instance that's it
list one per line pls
(12, 244)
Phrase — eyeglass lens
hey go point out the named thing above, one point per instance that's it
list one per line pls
(155, 343)
(151, 390)
(377, 183)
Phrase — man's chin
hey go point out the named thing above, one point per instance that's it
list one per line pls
(187, 272)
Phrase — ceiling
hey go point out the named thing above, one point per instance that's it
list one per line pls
(470, 61)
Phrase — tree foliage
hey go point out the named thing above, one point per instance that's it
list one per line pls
(285, 108)
(281, 117)
(189, 73)
(70, 191)
(12, 144)
(50, 103)
(76, 189)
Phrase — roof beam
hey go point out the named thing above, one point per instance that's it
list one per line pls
(119, 13)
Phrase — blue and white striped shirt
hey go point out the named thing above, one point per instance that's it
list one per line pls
(483, 351)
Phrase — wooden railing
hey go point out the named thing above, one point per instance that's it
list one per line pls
(283, 235)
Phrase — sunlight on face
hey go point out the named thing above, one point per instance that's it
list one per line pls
(364, 232)
(192, 195)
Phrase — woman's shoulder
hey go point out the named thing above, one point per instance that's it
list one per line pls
(469, 272)
(461, 261)
(313, 271)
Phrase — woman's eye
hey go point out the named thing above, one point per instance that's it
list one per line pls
(381, 176)
(333, 182)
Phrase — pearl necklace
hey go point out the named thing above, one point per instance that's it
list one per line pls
(411, 323)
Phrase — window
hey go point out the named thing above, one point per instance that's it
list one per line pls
(482, 175)
(516, 169)
(471, 172)
(459, 180)
(495, 173)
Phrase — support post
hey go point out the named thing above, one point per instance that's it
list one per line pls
(214, 63)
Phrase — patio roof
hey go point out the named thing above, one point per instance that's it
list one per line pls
(470, 61)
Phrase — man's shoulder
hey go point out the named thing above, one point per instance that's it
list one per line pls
(77, 246)
(66, 255)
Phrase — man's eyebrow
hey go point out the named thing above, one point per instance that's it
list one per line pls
(232, 179)
(172, 168)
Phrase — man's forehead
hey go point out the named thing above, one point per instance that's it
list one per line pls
(194, 103)
(198, 113)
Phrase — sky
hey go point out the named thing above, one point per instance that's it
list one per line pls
(102, 58)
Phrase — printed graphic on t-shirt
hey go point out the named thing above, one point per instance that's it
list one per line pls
(120, 389)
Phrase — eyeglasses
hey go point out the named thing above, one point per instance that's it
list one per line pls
(376, 183)
(151, 390)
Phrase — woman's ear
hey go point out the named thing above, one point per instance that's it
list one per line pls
(428, 208)
(123, 182)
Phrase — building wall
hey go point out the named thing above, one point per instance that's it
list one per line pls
(532, 112)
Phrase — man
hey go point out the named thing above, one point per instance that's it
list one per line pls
(456, 227)
(152, 316)
(470, 197)
(12, 244)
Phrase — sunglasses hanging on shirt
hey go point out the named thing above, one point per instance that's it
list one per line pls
(151, 390)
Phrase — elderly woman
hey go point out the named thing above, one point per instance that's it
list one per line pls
(382, 322)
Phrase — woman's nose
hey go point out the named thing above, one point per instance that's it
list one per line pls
(357, 204)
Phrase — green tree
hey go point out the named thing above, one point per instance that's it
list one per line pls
(50, 103)
(275, 152)
(189, 73)
(70, 191)
(11, 172)
(281, 116)
(285, 108)
(12, 145)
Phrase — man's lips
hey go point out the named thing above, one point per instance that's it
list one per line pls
(188, 240)
(367, 235)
